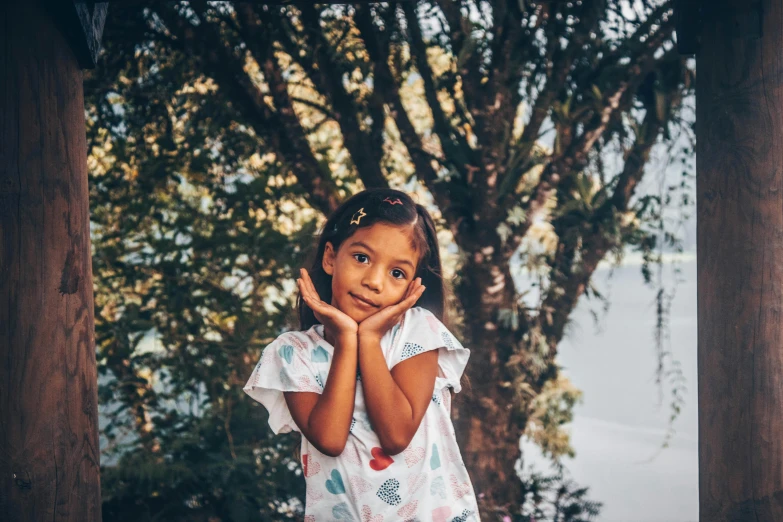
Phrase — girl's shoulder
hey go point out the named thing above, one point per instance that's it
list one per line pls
(419, 316)
(299, 349)
(421, 327)
(301, 340)
(422, 331)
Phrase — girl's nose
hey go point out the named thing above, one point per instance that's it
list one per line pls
(373, 279)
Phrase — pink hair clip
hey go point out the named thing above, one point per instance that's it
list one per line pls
(395, 202)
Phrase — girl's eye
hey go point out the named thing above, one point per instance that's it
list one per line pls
(359, 257)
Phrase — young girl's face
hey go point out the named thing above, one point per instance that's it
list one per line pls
(371, 270)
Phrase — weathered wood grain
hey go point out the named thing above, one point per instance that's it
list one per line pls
(49, 455)
(739, 126)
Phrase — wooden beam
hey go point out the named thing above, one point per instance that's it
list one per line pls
(153, 3)
(82, 23)
(49, 454)
(739, 129)
(688, 25)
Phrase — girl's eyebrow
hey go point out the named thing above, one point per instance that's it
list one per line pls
(365, 245)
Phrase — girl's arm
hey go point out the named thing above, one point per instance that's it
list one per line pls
(325, 419)
(397, 400)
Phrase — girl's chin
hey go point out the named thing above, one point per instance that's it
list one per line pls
(359, 315)
(353, 313)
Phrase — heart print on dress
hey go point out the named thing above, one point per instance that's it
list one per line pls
(441, 514)
(380, 460)
(408, 510)
(413, 456)
(359, 485)
(388, 492)
(335, 485)
(367, 515)
(311, 467)
(460, 490)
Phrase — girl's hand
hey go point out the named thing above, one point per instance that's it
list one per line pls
(376, 325)
(333, 319)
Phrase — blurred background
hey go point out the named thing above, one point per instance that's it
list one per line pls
(553, 143)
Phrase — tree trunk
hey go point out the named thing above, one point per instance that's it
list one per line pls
(48, 382)
(740, 263)
(489, 427)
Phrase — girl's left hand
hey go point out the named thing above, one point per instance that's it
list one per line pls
(376, 325)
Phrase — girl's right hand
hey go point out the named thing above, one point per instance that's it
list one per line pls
(333, 319)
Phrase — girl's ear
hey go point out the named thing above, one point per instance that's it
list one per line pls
(327, 263)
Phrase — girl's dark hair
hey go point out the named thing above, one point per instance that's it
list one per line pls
(424, 239)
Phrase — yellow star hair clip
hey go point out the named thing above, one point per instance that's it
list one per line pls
(360, 214)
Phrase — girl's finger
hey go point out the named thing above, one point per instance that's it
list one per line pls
(303, 289)
(309, 283)
(313, 290)
(406, 303)
(305, 277)
(311, 299)
(319, 307)
(414, 297)
(307, 289)
(411, 287)
(417, 292)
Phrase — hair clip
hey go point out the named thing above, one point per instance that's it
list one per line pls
(395, 202)
(355, 220)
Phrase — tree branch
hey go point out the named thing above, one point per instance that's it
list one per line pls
(567, 283)
(228, 71)
(573, 159)
(365, 152)
(455, 146)
(326, 111)
(590, 240)
(387, 88)
(561, 61)
(261, 46)
(466, 58)
(500, 100)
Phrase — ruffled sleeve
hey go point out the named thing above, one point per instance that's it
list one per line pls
(420, 332)
(286, 365)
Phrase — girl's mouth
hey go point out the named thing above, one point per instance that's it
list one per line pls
(362, 302)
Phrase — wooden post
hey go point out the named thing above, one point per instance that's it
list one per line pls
(739, 128)
(49, 455)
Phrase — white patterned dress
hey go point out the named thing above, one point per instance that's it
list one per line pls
(426, 482)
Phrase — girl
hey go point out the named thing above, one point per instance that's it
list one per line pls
(366, 380)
